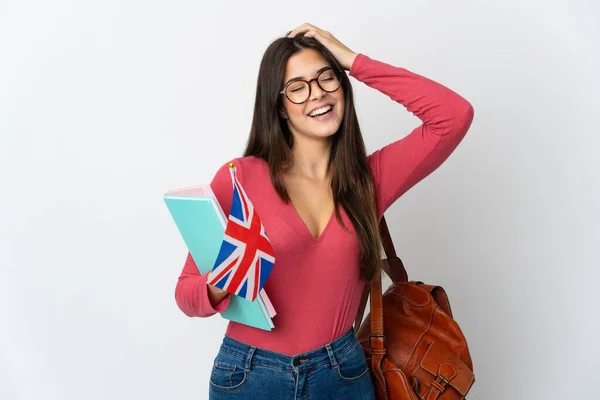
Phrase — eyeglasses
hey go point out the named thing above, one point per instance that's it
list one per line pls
(299, 90)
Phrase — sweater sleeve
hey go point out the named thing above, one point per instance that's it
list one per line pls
(445, 116)
(191, 291)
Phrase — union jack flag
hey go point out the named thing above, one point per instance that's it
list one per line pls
(246, 257)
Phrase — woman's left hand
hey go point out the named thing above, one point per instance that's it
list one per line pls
(343, 54)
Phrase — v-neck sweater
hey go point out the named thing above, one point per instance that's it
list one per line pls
(315, 285)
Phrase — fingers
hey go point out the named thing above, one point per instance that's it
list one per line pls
(297, 30)
(308, 29)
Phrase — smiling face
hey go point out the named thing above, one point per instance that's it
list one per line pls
(320, 116)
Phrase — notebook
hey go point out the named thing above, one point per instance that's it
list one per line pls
(201, 223)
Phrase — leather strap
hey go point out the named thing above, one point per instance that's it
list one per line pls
(446, 373)
(388, 244)
(376, 338)
(392, 266)
(376, 309)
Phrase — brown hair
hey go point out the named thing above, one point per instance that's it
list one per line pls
(270, 139)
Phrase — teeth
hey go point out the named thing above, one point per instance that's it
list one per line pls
(320, 111)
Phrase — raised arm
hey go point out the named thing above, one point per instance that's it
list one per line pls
(445, 116)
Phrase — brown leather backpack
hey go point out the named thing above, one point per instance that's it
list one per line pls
(415, 349)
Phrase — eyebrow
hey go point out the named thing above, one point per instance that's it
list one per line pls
(301, 77)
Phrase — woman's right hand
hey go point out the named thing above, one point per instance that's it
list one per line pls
(215, 294)
(216, 289)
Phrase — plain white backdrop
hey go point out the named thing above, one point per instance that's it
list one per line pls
(104, 106)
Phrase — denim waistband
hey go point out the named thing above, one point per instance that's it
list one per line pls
(256, 355)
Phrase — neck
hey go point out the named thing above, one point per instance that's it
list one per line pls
(311, 157)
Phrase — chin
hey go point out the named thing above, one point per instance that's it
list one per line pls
(325, 132)
(324, 129)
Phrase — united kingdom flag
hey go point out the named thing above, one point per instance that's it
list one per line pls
(246, 257)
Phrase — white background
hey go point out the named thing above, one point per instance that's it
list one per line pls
(106, 105)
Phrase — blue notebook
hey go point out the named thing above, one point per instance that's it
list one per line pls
(201, 223)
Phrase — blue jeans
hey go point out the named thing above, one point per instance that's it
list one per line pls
(337, 370)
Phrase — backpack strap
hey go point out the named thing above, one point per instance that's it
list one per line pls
(392, 265)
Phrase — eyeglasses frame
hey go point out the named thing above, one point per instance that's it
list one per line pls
(309, 83)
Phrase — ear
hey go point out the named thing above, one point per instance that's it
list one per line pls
(282, 113)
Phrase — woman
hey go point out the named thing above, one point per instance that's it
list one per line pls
(320, 198)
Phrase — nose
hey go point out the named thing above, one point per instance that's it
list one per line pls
(315, 90)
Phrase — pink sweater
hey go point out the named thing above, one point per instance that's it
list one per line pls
(315, 285)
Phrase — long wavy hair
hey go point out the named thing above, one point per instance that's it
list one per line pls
(351, 179)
